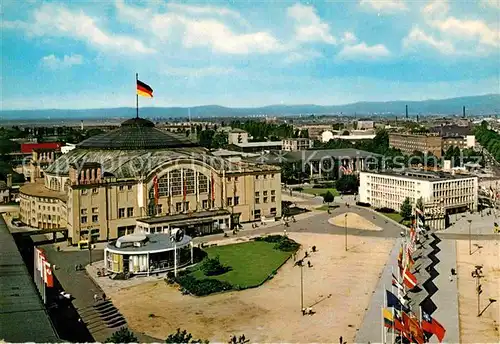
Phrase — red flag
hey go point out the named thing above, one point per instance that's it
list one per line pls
(409, 279)
(156, 189)
(431, 325)
(413, 328)
(49, 280)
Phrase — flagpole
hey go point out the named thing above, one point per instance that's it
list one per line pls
(136, 96)
(392, 291)
(382, 308)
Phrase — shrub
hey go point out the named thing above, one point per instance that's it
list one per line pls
(363, 204)
(203, 287)
(286, 245)
(213, 267)
(298, 189)
(385, 210)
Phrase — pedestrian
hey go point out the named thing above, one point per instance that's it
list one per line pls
(309, 264)
(103, 296)
(340, 340)
(303, 311)
(234, 339)
(96, 297)
(243, 338)
(451, 278)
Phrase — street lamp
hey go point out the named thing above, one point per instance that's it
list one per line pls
(345, 227)
(90, 249)
(470, 248)
(301, 288)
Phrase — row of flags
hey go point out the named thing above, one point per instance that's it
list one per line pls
(43, 267)
(396, 312)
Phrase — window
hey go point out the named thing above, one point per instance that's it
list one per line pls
(229, 201)
(159, 209)
(84, 219)
(257, 200)
(178, 206)
(83, 211)
(186, 205)
(202, 183)
(95, 190)
(265, 193)
(264, 176)
(121, 188)
(257, 214)
(95, 218)
(273, 192)
(53, 208)
(235, 179)
(265, 199)
(204, 204)
(129, 187)
(95, 210)
(228, 179)
(130, 212)
(273, 211)
(257, 194)
(256, 177)
(236, 200)
(121, 212)
(273, 198)
(50, 217)
(272, 175)
(84, 191)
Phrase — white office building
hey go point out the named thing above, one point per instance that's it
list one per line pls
(453, 193)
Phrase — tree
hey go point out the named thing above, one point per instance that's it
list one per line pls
(348, 183)
(406, 209)
(345, 133)
(420, 204)
(328, 197)
(123, 335)
(183, 337)
(219, 140)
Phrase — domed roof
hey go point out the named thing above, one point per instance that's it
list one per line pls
(136, 134)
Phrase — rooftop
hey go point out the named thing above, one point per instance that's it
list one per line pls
(152, 243)
(259, 144)
(423, 175)
(38, 189)
(135, 134)
(278, 157)
(23, 317)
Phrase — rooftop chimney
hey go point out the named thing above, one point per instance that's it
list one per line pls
(463, 111)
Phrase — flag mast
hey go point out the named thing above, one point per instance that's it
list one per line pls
(136, 97)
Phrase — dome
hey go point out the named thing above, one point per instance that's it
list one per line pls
(136, 134)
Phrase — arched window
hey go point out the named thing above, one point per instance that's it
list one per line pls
(54, 184)
(176, 183)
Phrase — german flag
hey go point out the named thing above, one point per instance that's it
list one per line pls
(144, 89)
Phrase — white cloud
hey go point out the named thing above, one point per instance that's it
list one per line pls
(362, 51)
(417, 38)
(202, 10)
(54, 20)
(384, 6)
(475, 30)
(436, 8)
(491, 3)
(199, 32)
(54, 62)
(308, 25)
(349, 38)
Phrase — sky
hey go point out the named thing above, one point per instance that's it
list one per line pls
(84, 54)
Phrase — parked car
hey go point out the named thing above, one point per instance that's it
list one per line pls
(16, 222)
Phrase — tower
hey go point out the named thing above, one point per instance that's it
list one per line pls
(406, 111)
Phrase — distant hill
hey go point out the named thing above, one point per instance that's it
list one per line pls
(475, 105)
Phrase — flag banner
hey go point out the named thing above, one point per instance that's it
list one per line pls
(432, 326)
(388, 318)
(396, 283)
(409, 279)
(393, 301)
(144, 89)
(212, 189)
(49, 279)
(413, 328)
(140, 195)
(184, 188)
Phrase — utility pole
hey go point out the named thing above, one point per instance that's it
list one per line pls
(345, 227)
(470, 246)
(90, 249)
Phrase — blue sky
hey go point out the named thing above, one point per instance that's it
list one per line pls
(84, 54)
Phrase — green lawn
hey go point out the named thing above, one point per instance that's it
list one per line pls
(398, 218)
(320, 191)
(251, 262)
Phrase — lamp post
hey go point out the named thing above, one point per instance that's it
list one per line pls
(90, 249)
(470, 248)
(345, 227)
(301, 288)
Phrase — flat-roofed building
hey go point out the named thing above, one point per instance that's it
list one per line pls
(408, 143)
(455, 193)
(297, 144)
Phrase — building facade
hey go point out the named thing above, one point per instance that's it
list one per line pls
(455, 193)
(297, 144)
(408, 143)
(462, 142)
(237, 136)
(100, 190)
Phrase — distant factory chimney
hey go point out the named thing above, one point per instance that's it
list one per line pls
(417, 118)
(81, 125)
(463, 111)
(406, 107)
